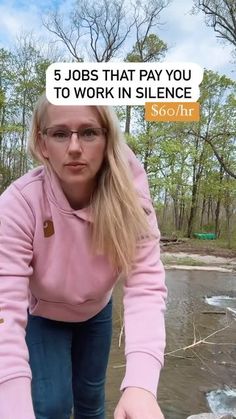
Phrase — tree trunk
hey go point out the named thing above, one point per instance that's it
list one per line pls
(22, 148)
(181, 213)
(128, 119)
(164, 213)
(203, 212)
(208, 210)
(192, 210)
(217, 217)
(176, 210)
(229, 213)
(218, 205)
(228, 225)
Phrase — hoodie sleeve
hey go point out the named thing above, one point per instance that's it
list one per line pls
(144, 300)
(16, 237)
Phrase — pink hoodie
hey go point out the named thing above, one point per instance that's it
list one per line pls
(45, 259)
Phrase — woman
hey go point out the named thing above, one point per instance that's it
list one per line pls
(68, 230)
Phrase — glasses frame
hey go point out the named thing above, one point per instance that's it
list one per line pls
(70, 132)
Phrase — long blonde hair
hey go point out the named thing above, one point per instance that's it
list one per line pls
(119, 219)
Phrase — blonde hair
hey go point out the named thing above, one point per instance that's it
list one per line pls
(119, 219)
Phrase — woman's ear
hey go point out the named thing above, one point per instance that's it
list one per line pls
(42, 145)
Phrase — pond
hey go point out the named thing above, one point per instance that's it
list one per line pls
(204, 371)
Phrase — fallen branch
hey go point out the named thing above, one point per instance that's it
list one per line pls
(200, 341)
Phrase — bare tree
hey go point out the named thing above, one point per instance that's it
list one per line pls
(108, 24)
(69, 35)
(148, 46)
(221, 16)
(99, 30)
(104, 27)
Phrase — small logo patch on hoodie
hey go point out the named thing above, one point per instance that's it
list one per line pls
(1, 320)
(48, 228)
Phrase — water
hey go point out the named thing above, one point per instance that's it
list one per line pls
(188, 376)
(223, 301)
(223, 400)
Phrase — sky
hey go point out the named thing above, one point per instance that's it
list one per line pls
(187, 36)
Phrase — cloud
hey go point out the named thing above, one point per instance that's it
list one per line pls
(189, 39)
(209, 55)
(14, 19)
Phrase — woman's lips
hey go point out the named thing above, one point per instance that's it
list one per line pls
(75, 166)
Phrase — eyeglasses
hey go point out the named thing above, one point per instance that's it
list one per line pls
(63, 135)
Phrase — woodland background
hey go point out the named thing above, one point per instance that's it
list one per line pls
(191, 166)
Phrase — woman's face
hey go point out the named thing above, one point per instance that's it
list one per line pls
(76, 161)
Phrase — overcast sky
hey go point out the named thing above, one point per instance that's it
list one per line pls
(187, 36)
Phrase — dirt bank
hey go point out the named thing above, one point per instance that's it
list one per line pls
(198, 247)
(194, 255)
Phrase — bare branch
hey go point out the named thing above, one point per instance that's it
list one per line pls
(104, 26)
(200, 341)
(108, 26)
(210, 140)
(70, 38)
(221, 16)
(145, 20)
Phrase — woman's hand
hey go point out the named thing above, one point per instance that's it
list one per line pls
(137, 403)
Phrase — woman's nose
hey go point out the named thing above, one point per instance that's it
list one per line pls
(75, 143)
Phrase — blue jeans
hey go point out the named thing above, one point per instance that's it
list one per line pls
(68, 363)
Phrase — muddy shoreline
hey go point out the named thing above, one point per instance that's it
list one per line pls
(194, 261)
(196, 247)
(188, 255)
